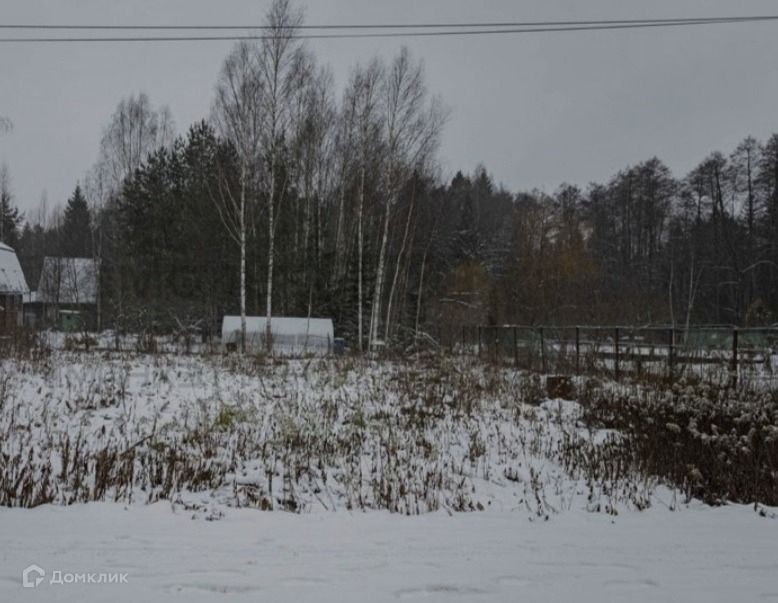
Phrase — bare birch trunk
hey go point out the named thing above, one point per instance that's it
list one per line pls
(270, 259)
(690, 303)
(360, 326)
(398, 265)
(670, 293)
(421, 290)
(375, 317)
(242, 236)
(338, 233)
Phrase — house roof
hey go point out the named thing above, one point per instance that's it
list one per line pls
(68, 281)
(11, 276)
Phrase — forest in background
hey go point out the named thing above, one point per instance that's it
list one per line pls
(294, 198)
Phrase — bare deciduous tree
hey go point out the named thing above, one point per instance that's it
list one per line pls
(236, 113)
(362, 99)
(278, 62)
(313, 120)
(412, 127)
(135, 130)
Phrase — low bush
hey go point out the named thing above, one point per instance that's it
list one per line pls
(717, 444)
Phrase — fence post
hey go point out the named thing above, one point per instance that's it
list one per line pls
(530, 348)
(577, 351)
(616, 349)
(464, 347)
(515, 349)
(542, 351)
(670, 352)
(734, 355)
(479, 340)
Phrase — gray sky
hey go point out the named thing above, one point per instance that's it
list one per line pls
(537, 110)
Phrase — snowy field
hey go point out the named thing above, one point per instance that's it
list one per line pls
(697, 554)
(432, 480)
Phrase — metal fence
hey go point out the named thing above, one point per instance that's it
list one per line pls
(661, 352)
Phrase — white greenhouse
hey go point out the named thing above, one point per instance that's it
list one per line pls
(291, 336)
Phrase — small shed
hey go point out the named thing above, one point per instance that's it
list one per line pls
(13, 288)
(291, 336)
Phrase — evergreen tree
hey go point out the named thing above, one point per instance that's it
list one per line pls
(10, 218)
(464, 243)
(76, 227)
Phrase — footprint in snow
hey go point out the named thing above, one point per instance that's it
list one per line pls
(511, 581)
(223, 589)
(630, 585)
(304, 580)
(438, 589)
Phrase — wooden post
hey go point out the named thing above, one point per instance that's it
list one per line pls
(616, 350)
(530, 349)
(734, 355)
(577, 351)
(464, 347)
(635, 353)
(670, 353)
(542, 351)
(515, 349)
(479, 341)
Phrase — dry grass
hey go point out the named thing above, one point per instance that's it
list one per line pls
(718, 444)
(411, 436)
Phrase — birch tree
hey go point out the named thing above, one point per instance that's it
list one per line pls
(277, 64)
(237, 116)
(135, 130)
(412, 126)
(313, 121)
(345, 158)
(364, 99)
(98, 189)
(743, 167)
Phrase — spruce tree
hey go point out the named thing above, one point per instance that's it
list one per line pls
(76, 227)
(10, 218)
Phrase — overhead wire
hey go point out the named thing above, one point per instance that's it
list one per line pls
(408, 30)
(443, 25)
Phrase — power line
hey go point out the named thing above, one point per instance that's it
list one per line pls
(369, 26)
(396, 34)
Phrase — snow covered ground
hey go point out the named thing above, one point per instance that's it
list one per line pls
(695, 554)
(552, 513)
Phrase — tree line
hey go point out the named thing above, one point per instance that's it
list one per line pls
(293, 199)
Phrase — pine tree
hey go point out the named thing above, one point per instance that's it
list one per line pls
(465, 246)
(76, 227)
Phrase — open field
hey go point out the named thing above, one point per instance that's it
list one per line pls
(511, 493)
(296, 435)
(437, 433)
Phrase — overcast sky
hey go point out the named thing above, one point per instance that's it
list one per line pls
(537, 110)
